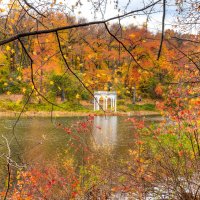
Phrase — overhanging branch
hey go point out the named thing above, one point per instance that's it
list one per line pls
(120, 42)
(54, 30)
(163, 30)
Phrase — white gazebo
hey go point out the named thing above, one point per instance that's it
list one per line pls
(105, 96)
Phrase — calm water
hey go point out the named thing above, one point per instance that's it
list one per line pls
(40, 140)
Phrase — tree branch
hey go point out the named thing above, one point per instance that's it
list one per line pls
(39, 32)
(32, 7)
(185, 40)
(196, 65)
(124, 48)
(163, 30)
(32, 76)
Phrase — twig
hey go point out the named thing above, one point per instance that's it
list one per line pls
(32, 7)
(26, 11)
(185, 40)
(8, 168)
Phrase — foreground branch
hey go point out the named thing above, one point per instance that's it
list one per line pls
(188, 57)
(54, 30)
(120, 42)
(163, 30)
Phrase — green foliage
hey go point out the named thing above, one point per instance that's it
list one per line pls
(10, 80)
(85, 95)
(72, 106)
(6, 105)
(149, 107)
(121, 102)
(4, 72)
(65, 86)
(122, 108)
(147, 87)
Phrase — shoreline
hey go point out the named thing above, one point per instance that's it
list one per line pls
(74, 114)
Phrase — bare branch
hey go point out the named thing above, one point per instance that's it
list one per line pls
(26, 11)
(186, 40)
(196, 65)
(132, 56)
(32, 7)
(69, 68)
(39, 32)
(8, 168)
(163, 29)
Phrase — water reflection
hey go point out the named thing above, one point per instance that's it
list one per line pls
(105, 130)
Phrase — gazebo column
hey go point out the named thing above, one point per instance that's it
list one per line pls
(115, 104)
(94, 103)
(103, 103)
(98, 103)
(111, 102)
(106, 103)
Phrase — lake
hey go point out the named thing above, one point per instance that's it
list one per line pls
(42, 139)
(39, 138)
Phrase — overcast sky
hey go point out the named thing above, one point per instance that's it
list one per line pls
(154, 24)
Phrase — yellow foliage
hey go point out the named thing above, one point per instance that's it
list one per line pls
(19, 78)
(8, 48)
(23, 90)
(77, 96)
(132, 35)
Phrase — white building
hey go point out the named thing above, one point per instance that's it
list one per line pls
(106, 96)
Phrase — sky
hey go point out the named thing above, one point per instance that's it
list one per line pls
(155, 20)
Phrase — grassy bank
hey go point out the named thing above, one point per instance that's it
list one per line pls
(78, 108)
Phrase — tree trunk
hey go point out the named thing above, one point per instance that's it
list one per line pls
(134, 94)
(62, 95)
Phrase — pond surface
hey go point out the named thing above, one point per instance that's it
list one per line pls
(40, 139)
